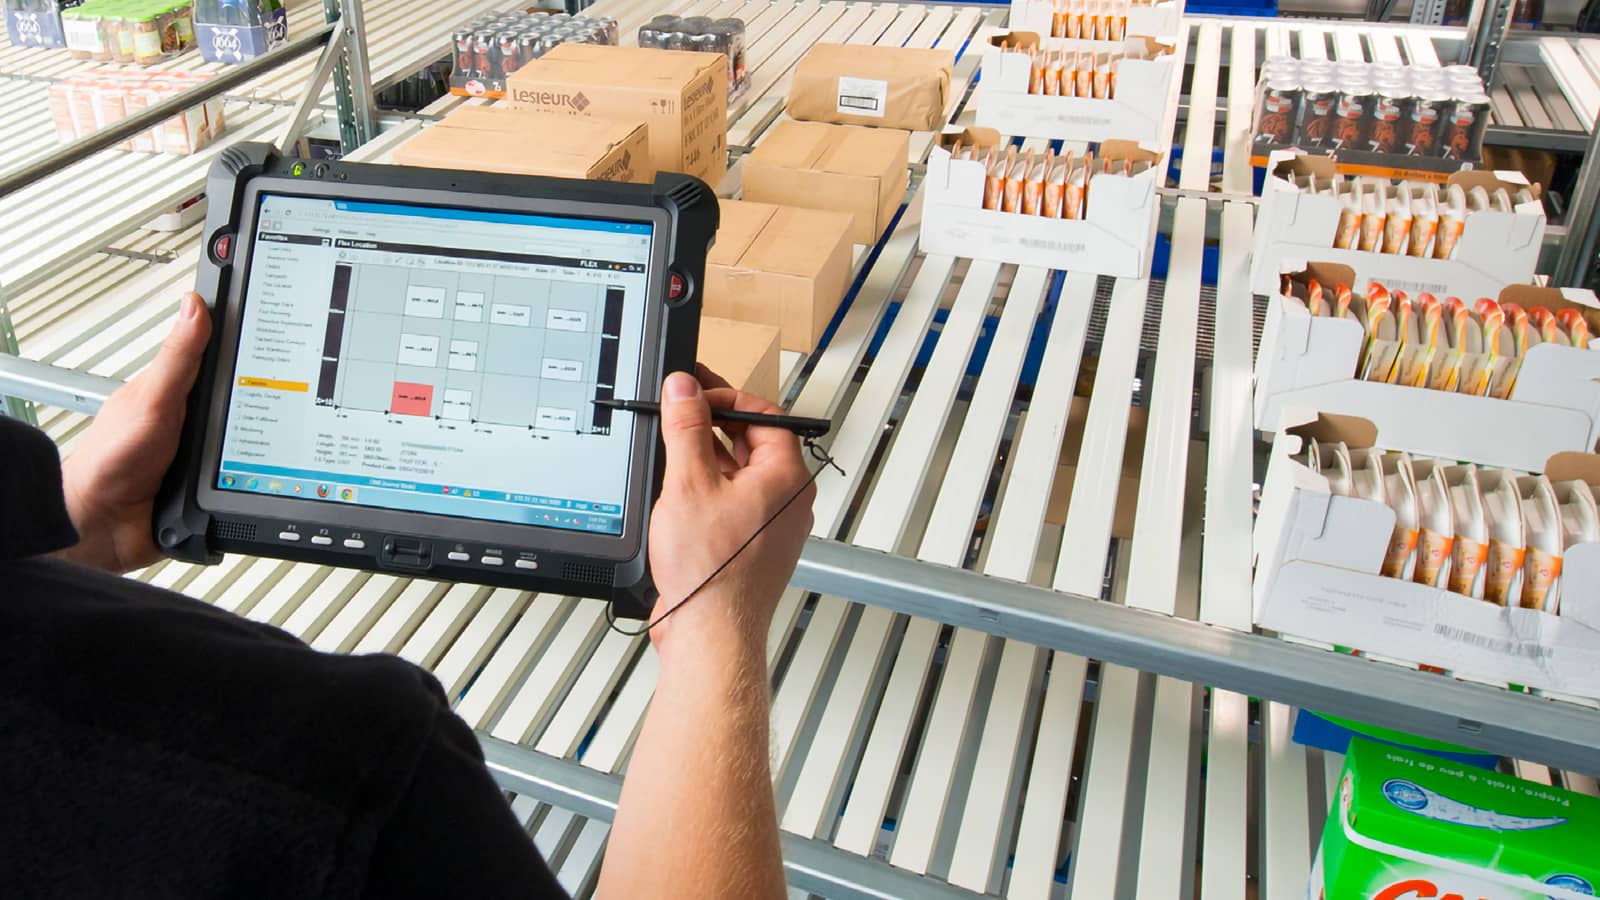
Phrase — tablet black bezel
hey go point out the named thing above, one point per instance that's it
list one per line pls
(214, 500)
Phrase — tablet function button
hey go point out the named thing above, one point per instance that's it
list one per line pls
(458, 556)
(291, 536)
(354, 544)
(493, 561)
(407, 552)
(529, 564)
(321, 540)
(676, 287)
(222, 247)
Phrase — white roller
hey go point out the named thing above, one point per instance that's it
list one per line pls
(1225, 576)
(1286, 829)
(1222, 858)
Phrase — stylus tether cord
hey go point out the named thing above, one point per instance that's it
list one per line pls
(819, 454)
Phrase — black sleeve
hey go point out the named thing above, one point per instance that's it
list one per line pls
(453, 834)
(33, 511)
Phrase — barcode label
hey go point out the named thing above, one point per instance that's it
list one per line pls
(1493, 645)
(863, 96)
(1042, 244)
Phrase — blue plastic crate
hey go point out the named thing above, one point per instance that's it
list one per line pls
(1267, 8)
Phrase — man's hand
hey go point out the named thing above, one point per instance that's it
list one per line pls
(111, 480)
(712, 501)
(697, 818)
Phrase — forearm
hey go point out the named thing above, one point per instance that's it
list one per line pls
(696, 817)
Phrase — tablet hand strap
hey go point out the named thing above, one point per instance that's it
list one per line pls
(818, 453)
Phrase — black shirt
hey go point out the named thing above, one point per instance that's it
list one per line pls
(152, 746)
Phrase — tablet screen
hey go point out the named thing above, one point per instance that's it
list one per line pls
(439, 361)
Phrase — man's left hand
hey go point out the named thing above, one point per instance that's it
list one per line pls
(111, 479)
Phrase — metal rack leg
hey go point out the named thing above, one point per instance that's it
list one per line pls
(14, 407)
(1577, 256)
(1487, 29)
(358, 121)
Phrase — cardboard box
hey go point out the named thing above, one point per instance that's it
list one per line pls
(1360, 163)
(860, 171)
(86, 103)
(1293, 228)
(682, 96)
(884, 87)
(1407, 826)
(1117, 236)
(1317, 558)
(744, 353)
(1538, 166)
(523, 142)
(779, 265)
(1158, 20)
(1139, 112)
(1128, 479)
(1309, 363)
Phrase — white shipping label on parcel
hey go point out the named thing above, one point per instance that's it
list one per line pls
(863, 96)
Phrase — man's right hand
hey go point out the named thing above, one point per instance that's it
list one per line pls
(712, 501)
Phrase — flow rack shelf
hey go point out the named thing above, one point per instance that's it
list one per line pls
(402, 38)
(969, 701)
(55, 224)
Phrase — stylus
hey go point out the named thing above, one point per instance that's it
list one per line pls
(812, 428)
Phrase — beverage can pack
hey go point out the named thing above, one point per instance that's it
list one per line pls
(1464, 126)
(1318, 101)
(1409, 826)
(1280, 105)
(1352, 116)
(1428, 111)
(1389, 109)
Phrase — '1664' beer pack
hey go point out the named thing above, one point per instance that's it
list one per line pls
(36, 23)
(233, 31)
(1409, 826)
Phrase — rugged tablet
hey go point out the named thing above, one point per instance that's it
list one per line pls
(404, 365)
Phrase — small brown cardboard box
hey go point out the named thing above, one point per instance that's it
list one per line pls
(886, 87)
(1127, 482)
(744, 353)
(861, 171)
(681, 95)
(524, 142)
(779, 265)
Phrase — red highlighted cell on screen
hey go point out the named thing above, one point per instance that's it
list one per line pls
(411, 399)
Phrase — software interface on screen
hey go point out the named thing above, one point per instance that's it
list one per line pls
(438, 360)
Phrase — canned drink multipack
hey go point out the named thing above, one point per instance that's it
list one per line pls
(490, 48)
(1377, 108)
(701, 34)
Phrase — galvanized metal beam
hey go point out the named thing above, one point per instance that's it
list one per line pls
(1493, 719)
